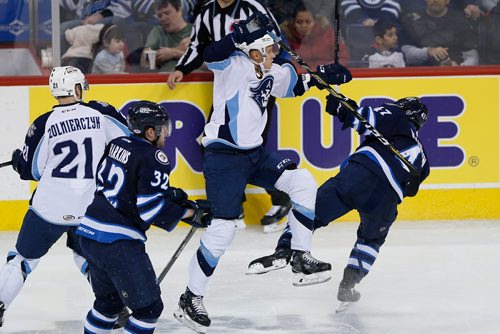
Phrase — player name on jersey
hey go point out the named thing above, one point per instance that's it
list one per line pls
(119, 153)
(74, 124)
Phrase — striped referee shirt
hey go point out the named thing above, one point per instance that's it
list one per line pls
(211, 24)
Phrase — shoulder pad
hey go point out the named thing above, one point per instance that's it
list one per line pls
(161, 157)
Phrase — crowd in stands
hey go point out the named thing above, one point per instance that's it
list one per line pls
(114, 36)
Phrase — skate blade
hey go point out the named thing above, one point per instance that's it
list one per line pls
(343, 306)
(258, 268)
(184, 319)
(301, 279)
(274, 227)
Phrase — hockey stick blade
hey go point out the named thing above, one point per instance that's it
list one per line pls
(5, 164)
(176, 254)
(411, 169)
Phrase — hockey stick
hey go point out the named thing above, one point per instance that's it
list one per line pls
(413, 171)
(5, 164)
(176, 254)
(336, 42)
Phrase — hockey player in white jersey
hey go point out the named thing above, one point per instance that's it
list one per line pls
(61, 151)
(245, 76)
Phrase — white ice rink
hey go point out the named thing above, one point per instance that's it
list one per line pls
(430, 277)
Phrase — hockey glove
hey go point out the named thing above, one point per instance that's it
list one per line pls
(16, 156)
(202, 216)
(333, 74)
(334, 105)
(251, 29)
(176, 195)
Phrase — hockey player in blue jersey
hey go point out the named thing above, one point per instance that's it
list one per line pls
(61, 151)
(245, 77)
(372, 181)
(133, 193)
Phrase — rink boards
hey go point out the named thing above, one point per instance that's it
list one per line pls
(461, 138)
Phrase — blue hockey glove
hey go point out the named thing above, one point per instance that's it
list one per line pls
(334, 106)
(16, 156)
(251, 29)
(176, 195)
(202, 216)
(333, 74)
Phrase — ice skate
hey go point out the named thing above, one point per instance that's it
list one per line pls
(347, 294)
(272, 218)
(309, 270)
(2, 310)
(192, 313)
(122, 318)
(278, 260)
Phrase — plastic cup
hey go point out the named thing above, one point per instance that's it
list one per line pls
(151, 54)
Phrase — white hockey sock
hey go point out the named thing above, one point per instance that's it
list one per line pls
(214, 242)
(13, 274)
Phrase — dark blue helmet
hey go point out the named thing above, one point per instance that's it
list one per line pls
(415, 110)
(145, 114)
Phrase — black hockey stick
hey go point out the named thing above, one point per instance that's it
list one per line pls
(336, 41)
(5, 164)
(176, 254)
(413, 171)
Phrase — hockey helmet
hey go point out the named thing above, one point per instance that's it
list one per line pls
(145, 114)
(414, 109)
(62, 82)
(260, 44)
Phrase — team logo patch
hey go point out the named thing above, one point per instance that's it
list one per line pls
(262, 92)
(161, 157)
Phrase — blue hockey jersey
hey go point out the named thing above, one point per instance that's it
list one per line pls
(393, 124)
(132, 193)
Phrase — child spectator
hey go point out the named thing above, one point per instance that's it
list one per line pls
(386, 51)
(110, 59)
(309, 39)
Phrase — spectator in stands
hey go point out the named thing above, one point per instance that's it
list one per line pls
(386, 51)
(283, 10)
(171, 38)
(367, 12)
(81, 39)
(490, 52)
(440, 37)
(110, 59)
(471, 8)
(310, 40)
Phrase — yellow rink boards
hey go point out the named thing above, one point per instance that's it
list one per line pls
(461, 139)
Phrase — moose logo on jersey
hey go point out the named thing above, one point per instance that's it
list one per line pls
(262, 92)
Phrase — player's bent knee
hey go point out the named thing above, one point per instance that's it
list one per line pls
(218, 236)
(300, 185)
(149, 313)
(26, 265)
(13, 274)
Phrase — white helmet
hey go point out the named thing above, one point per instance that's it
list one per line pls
(63, 80)
(260, 44)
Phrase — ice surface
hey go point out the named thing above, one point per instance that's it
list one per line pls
(430, 277)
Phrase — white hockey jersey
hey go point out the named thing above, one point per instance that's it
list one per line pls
(61, 151)
(240, 99)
